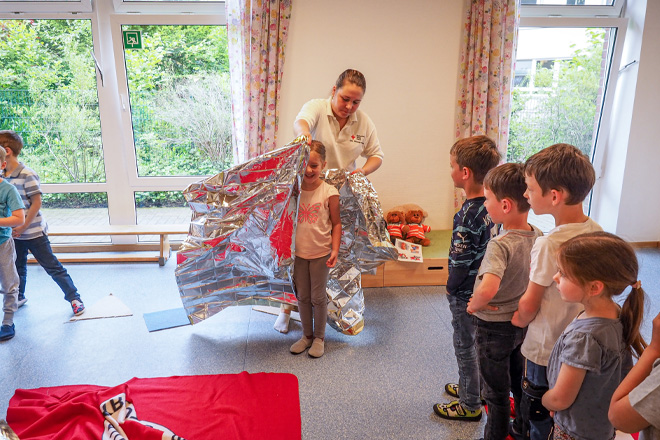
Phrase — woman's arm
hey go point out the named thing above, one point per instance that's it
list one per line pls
(566, 389)
(621, 414)
(335, 218)
(371, 165)
(301, 128)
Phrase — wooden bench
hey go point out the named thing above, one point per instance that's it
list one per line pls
(164, 231)
(433, 271)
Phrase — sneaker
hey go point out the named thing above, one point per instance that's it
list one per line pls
(7, 332)
(301, 345)
(21, 301)
(452, 390)
(318, 348)
(78, 307)
(455, 411)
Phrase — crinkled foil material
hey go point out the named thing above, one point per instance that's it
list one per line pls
(365, 245)
(239, 250)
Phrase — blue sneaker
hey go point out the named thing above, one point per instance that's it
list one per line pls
(7, 332)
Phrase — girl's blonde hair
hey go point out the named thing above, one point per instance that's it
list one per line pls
(601, 256)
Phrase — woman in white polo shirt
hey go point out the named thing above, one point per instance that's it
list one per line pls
(346, 132)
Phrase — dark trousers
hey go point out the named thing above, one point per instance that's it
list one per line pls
(501, 368)
(42, 252)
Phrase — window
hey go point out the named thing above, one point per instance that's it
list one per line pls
(564, 69)
(99, 121)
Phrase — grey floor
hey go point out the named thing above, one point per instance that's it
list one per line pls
(380, 384)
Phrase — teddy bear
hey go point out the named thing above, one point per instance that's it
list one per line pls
(395, 223)
(414, 230)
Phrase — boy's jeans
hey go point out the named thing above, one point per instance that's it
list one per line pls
(8, 281)
(42, 252)
(537, 423)
(501, 367)
(466, 354)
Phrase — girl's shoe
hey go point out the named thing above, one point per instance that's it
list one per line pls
(318, 348)
(300, 346)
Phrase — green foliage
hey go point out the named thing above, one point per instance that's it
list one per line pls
(75, 200)
(48, 94)
(561, 109)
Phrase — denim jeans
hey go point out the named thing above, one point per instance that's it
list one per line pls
(501, 367)
(42, 252)
(537, 423)
(469, 388)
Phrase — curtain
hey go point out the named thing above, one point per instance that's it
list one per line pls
(488, 46)
(256, 36)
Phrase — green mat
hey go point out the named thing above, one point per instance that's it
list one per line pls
(439, 247)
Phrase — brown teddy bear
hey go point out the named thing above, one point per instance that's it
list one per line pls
(395, 224)
(414, 230)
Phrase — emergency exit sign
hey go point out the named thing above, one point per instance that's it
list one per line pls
(132, 39)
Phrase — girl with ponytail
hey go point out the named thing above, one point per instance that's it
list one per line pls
(594, 353)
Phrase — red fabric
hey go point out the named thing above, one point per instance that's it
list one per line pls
(227, 406)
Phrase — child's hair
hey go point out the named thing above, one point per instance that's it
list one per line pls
(352, 76)
(3, 155)
(601, 256)
(12, 140)
(508, 181)
(319, 148)
(562, 166)
(478, 153)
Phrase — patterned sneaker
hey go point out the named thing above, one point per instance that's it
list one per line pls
(7, 332)
(21, 300)
(78, 307)
(455, 411)
(452, 390)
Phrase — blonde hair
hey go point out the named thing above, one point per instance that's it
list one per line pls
(601, 256)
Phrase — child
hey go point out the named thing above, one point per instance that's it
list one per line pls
(558, 179)
(635, 402)
(318, 236)
(11, 215)
(470, 160)
(502, 280)
(32, 235)
(593, 354)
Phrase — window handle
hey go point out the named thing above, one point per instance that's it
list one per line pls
(96, 63)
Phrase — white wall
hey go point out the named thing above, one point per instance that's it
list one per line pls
(409, 54)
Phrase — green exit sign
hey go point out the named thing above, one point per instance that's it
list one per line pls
(132, 39)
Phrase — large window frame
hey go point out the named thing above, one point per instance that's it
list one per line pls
(578, 17)
(122, 180)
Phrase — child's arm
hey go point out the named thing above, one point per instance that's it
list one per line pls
(15, 219)
(529, 305)
(483, 294)
(33, 210)
(622, 415)
(566, 389)
(335, 218)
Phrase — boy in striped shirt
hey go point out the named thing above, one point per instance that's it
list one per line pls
(32, 235)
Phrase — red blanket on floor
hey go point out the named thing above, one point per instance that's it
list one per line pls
(227, 406)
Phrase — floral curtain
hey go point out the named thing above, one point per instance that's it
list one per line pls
(490, 33)
(256, 33)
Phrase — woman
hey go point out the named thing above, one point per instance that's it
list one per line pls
(346, 132)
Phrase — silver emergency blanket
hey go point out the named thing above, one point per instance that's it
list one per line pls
(239, 250)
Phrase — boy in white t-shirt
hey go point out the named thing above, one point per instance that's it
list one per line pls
(558, 179)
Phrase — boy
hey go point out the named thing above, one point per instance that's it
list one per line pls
(31, 236)
(502, 280)
(558, 179)
(11, 214)
(470, 160)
